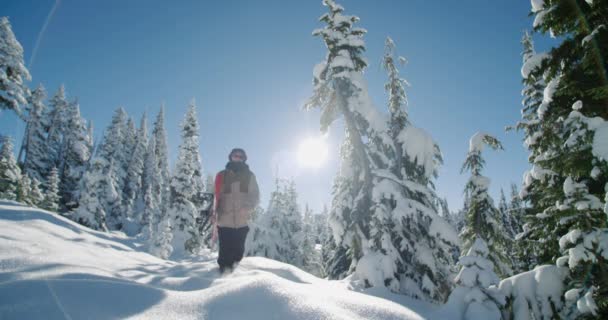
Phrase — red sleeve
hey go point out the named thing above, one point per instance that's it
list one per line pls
(219, 180)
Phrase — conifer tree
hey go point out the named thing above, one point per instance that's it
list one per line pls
(320, 227)
(186, 187)
(98, 196)
(57, 118)
(278, 232)
(51, 194)
(130, 141)
(90, 140)
(76, 154)
(566, 187)
(506, 215)
(24, 190)
(484, 243)
(36, 195)
(412, 247)
(161, 239)
(341, 92)
(311, 258)
(517, 208)
(36, 162)
(268, 230)
(264, 237)
(482, 218)
(151, 214)
(10, 173)
(134, 190)
(160, 135)
(13, 73)
(112, 155)
(292, 219)
(473, 292)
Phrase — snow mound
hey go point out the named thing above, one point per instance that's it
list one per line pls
(52, 268)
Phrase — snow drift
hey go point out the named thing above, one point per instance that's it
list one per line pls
(53, 268)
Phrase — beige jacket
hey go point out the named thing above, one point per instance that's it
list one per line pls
(236, 202)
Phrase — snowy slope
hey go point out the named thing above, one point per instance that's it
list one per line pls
(52, 268)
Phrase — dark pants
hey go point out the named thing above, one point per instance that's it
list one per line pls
(232, 246)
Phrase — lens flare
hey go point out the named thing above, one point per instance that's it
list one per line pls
(312, 153)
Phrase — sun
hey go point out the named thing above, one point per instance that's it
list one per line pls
(312, 152)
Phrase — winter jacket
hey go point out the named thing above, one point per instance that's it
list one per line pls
(237, 195)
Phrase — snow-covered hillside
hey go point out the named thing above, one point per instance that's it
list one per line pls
(53, 268)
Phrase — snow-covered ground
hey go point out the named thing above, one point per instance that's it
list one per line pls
(52, 268)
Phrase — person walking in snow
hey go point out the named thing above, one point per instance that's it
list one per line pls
(236, 197)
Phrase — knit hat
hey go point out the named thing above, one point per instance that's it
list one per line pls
(237, 150)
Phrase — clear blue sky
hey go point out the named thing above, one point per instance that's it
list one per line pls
(249, 66)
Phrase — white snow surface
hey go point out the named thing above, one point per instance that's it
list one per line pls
(533, 291)
(53, 268)
(600, 142)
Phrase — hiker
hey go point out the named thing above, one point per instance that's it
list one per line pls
(236, 196)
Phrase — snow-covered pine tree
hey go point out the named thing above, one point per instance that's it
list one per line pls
(90, 140)
(324, 240)
(57, 124)
(311, 258)
(483, 219)
(98, 195)
(324, 243)
(160, 244)
(10, 173)
(505, 215)
(255, 243)
(13, 73)
(36, 194)
(160, 135)
(473, 282)
(382, 259)
(341, 92)
(186, 187)
(483, 227)
(566, 218)
(276, 233)
(76, 154)
(36, 162)
(523, 259)
(111, 152)
(262, 240)
(532, 248)
(293, 227)
(24, 190)
(130, 142)
(320, 227)
(517, 209)
(133, 199)
(51, 191)
(151, 214)
(412, 247)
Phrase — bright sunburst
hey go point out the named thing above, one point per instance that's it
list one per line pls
(312, 152)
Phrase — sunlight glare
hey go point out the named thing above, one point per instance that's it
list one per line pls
(312, 152)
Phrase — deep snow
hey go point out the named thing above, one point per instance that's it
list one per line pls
(53, 268)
